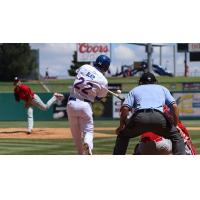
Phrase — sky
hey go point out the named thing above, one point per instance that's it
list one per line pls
(57, 57)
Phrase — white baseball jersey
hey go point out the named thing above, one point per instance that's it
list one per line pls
(89, 84)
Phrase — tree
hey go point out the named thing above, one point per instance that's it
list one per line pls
(16, 59)
(75, 65)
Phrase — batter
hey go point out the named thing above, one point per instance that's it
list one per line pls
(90, 85)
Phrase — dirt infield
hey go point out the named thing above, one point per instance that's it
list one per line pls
(54, 133)
(47, 133)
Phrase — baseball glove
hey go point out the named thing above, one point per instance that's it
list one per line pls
(16, 97)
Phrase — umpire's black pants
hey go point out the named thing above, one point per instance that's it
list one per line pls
(149, 120)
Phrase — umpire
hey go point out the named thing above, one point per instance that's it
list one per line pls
(147, 101)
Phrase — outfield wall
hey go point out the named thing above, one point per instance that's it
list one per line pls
(188, 102)
(13, 111)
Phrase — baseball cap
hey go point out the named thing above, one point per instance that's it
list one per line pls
(16, 80)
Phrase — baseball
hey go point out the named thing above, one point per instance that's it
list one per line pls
(119, 91)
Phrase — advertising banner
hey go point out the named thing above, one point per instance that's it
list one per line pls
(88, 52)
(188, 103)
(101, 109)
(117, 105)
(114, 86)
(194, 47)
(191, 86)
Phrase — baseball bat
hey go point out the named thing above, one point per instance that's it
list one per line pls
(116, 95)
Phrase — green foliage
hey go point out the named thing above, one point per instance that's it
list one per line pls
(16, 59)
(75, 65)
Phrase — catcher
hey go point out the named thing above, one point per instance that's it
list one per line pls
(152, 144)
(24, 92)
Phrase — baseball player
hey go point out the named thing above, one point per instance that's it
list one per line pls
(148, 100)
(23, 92)
(153, 144)
(90, 85)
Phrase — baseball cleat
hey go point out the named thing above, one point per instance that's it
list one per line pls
(59, 96)
(86, 149)
(29, 132)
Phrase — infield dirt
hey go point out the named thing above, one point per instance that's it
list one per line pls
(55, 133)
(47, 133)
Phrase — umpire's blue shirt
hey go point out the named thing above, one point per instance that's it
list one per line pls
(149, 96)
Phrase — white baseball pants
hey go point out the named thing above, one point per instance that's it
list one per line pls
(39, 104)
(163, 147)
(81, 123)
(30, 118)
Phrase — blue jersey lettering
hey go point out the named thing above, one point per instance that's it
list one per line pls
(90, 75)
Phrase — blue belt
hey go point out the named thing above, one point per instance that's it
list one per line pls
(74, 99)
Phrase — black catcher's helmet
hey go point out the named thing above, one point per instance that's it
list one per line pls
(147, 78)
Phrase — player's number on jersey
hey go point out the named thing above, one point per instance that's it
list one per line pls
(81, 81)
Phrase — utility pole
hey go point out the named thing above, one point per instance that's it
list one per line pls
(149, 51)
(185, 62)
(174, 53)
(160, 55)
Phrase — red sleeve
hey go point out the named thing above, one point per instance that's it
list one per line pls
(188, 141)
(24, 92)
(183, 128)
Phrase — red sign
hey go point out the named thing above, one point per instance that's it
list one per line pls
(88, 52)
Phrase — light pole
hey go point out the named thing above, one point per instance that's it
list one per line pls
(160, 55)
(174, 53)
(185, 63)
(149, 51)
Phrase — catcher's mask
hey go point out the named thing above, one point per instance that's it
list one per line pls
(147, 78)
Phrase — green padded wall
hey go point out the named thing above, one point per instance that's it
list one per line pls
(10, 110)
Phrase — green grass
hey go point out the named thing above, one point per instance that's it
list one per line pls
(102, 146)
(8, 86)
(173, 83)
(65, 123)
(36, 147)
(38, 124)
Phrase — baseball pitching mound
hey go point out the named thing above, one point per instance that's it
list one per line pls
(46, 133)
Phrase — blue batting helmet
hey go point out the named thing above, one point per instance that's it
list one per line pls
(102, 63)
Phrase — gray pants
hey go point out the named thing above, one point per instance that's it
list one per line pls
(149, 121)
